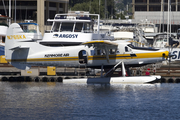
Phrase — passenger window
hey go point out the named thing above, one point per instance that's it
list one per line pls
(98, 52)
(93, 52)
(112, 51)
(117, 51)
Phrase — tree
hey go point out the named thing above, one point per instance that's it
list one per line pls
(93, 6)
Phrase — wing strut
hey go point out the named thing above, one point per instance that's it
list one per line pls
(102, 70)
(123, 69)
(107, 54)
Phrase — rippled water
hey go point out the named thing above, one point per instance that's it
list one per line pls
(58, 101)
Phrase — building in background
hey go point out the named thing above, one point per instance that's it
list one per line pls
(37, 10)
(156, 11)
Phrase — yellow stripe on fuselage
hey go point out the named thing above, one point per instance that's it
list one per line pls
(46, 59)
(97, 57)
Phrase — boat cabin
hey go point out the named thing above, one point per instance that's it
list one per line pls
(72, 29)
(31, 30)
(161, 41)
(3, 27)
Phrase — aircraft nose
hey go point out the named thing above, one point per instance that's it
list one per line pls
(165, 54)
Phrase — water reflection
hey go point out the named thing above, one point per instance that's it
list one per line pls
(81, 101)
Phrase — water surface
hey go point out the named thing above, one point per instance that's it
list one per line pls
(58, 101)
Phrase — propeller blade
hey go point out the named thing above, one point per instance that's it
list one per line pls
(171, 54)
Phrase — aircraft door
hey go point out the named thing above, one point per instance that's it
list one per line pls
(83, 57)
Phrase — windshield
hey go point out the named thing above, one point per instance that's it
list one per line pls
(56, 27)
(3, 23)
(85, 27)
(67, 27)
(78, 27)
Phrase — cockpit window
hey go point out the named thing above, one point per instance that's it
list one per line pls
(67, 27)
(141, 48)
(130, 45)
(126, 49)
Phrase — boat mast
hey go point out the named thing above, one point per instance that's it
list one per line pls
(9, 12)
(168, 23)
(15, 11)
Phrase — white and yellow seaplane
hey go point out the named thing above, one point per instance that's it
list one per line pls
(23, 52)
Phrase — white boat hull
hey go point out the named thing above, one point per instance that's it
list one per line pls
(114, 80)
(3, 30)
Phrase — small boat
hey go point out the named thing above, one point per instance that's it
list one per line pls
(128, 31)
(161, 41)
(31, 30)
(3, 30)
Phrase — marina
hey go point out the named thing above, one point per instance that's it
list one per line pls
(68, 31)
(89, 60)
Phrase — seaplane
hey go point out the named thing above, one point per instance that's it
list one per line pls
(23, 52)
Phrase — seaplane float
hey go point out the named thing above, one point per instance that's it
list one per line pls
(23, 52)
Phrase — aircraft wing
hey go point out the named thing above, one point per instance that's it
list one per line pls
(102, 44)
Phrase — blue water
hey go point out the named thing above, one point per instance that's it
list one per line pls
(58, 101)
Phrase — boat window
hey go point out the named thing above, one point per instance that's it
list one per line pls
(165, 40)
(3, 23)
(87, 27)
(29, 28)
(78, 27)
(67, 27)
(56, 27)
(158, 40)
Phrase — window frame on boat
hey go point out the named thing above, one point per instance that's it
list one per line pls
(87, 27)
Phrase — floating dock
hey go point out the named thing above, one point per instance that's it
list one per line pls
(169, 73)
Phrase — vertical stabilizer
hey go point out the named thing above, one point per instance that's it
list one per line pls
(16, 46)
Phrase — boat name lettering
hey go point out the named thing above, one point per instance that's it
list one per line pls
(56, 55)
(65, 35)
(176, 55)
(16, 36)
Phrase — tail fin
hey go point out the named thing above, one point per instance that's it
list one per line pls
(15, 46)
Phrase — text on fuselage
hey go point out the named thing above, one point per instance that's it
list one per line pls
(57, 55)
